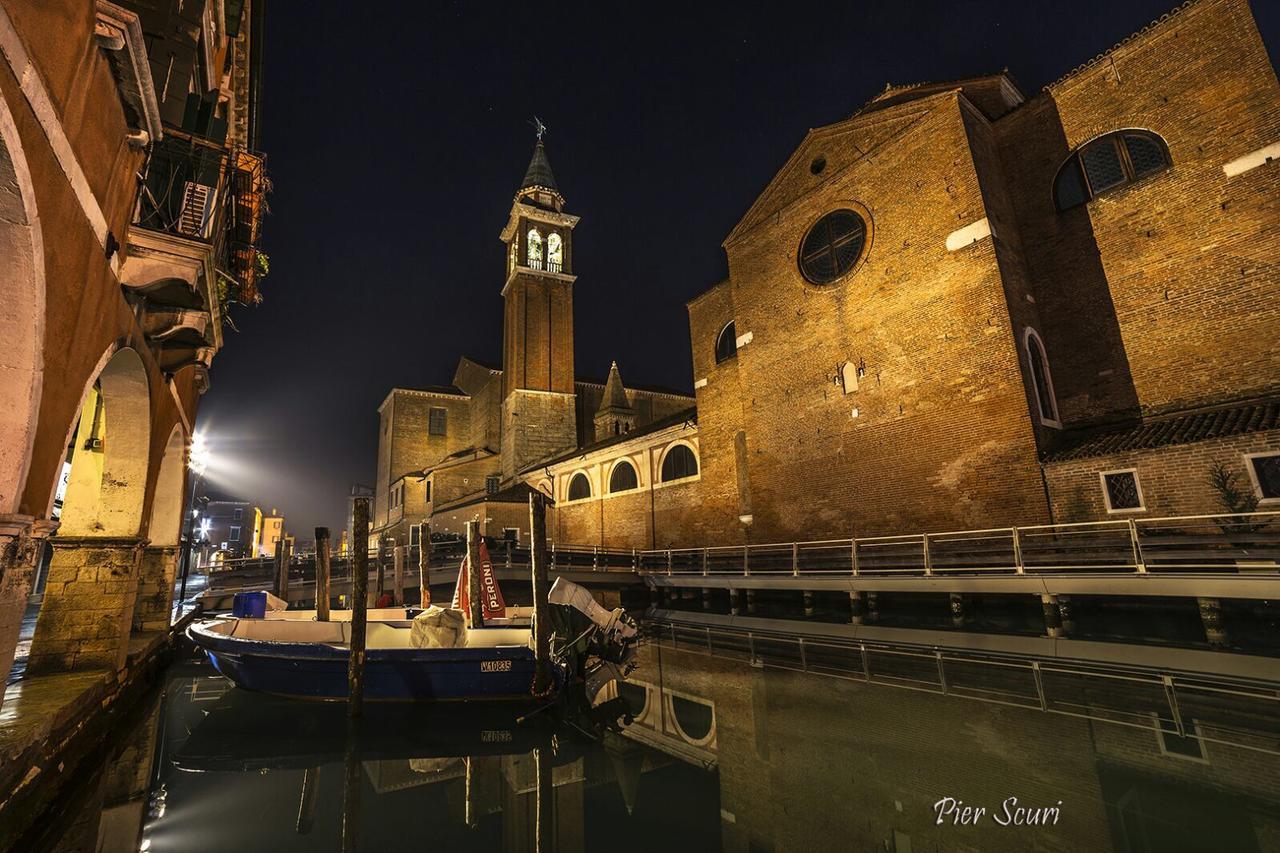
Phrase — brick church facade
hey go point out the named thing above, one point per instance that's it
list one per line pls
(962, 307)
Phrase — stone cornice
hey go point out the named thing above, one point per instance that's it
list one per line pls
(519, 270)
(537, 214)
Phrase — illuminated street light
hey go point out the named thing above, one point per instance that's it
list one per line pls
(199, 457)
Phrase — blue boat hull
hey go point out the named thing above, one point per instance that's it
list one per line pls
(415, 675)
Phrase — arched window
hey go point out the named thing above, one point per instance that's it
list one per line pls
(535, 249)
(679, 463)
(579, 487)
(555, 252)
(623, 478)
(1109, 162)
(1042, 380)
(727, 343)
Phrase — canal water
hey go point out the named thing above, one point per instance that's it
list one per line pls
(721, 753)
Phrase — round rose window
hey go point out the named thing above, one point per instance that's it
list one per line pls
(832, 246)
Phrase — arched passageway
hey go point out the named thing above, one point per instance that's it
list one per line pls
(87, 611)
(22, 300)
(160, 557)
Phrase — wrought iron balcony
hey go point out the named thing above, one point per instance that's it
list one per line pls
(202, 191)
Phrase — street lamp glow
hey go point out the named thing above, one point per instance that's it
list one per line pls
(199, 458)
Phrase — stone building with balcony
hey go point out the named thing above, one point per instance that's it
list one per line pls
(131, 200)
(962, 307)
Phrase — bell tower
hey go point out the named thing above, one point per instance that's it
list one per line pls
(538, 405)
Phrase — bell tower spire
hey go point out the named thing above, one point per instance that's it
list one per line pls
(538, 407)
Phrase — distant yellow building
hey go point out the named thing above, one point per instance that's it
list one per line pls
(272, 529)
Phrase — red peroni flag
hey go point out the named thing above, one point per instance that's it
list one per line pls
(492, 605)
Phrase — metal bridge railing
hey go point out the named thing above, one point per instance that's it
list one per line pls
(1205, 543)
(260, 572)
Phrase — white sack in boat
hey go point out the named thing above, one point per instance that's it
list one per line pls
(438, 628)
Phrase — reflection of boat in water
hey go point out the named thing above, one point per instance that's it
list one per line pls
(251, 731)
(433, 655)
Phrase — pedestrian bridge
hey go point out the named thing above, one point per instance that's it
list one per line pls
(390, 571)
(1220, 556)
(1210, 556)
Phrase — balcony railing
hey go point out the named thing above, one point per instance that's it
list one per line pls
(202, 191)
(1208, 543)
(544, 265)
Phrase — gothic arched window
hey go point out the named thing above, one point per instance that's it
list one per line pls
(623, 478)
(679, 463)
(535, 249)
(579, 487)
(555, 253)
(726, 343)
(1042, 380)
(1107, 163)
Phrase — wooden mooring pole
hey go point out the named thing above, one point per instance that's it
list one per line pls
(424, 567)
(359, 605)
(382, 570)
(397, 574)
(322, 574)
(282, 570)
(474, 592)
(541, 586)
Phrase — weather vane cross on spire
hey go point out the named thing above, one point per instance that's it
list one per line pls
(538, 127)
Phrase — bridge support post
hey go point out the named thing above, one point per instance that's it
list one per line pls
(751, 602)
(808, 603)
(1052, 615)
(857, 607)
(734, 606)
(957, 610)
(1066, 617)
(1211, 618)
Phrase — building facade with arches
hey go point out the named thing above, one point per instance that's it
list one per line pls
(113, 293)
(961, 307)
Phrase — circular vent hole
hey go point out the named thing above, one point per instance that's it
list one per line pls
(819, 163)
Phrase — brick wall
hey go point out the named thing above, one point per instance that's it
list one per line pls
(719, 419)
(536, 426)
(1192, 287)
(1174, 480)
(942, 437)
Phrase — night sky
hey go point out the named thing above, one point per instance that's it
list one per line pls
(396, 140)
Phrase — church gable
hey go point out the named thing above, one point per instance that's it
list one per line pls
(829, 151)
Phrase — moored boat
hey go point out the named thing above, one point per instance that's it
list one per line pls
(427, 656)
(299, 657)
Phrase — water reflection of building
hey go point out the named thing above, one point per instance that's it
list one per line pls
(812, 763)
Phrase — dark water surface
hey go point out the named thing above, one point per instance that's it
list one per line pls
(722, 755)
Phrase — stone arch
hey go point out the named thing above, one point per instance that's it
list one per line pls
(110, 451)
(22, 299)
(167, 503)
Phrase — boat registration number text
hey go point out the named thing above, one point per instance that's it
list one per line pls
(495, 666)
